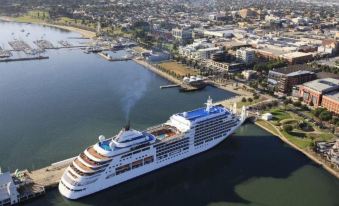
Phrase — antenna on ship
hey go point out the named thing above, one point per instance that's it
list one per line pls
(209, 104)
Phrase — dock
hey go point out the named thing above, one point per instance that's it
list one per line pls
(110, 58)
(44, 44)
(169, 86)
(49, 177)
(24, 59)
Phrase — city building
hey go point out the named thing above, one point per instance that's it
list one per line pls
(182, 34)
(199, 49)
(249, 74)
(246, 55)
(248, 13)
(206, 53)
(283, 79)
(296, 57)
(329, 46)
(330, 101)
(313, 92)
(224, 66)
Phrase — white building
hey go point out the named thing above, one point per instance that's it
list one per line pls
(199, 49)
(267, 116)
(8, 190)
(248, 74)
(246, 55)
(182, 34)
(206, 53)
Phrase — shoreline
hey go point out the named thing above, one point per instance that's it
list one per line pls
(84, 33)
(177, 81)
(307, 154)
(157, 71)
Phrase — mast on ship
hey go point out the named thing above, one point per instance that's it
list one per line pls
(209, 104)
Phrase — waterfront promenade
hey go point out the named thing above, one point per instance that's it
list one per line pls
(268, 126)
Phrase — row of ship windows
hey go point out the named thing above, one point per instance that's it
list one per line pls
(135, 152)
(212, 123)
(216, 135)
(140, 157)
(220, 124)
(214, 118)
(130, 166)
(170, 157)
(207, 131)
(72, 189)
(172, 149)
(171, 153)
(210, 134)
(166, 144)
(173, 146)
(75, 183)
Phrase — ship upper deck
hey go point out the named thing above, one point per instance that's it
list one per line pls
(202, 112)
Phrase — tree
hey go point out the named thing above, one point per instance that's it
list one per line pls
(243, 99)
(287, 128)
(250, 99)
(325, 115)
(297, 104)
(317, 111)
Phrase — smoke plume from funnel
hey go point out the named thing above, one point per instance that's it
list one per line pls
(134, 89)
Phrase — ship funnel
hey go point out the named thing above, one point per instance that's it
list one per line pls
(128, 125)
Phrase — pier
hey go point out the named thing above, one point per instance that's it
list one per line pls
(49, 177)
(169, 86)
(24, 59)
(110, 58)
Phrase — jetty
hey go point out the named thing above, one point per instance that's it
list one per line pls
(169, 86)
(24, 59)
(110, 58)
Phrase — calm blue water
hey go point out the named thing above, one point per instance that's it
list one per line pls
(53, 109)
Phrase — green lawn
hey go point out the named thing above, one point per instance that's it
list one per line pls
(34, 16)
(267, 126)
(280, 114)
(247, 103)
(300, 142)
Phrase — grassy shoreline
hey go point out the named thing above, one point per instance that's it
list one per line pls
(84, 33)
(269, 127)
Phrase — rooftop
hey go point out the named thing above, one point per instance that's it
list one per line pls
(333, 95)
(323, 85)
(293, 68)
(201, 112)
(295, 55)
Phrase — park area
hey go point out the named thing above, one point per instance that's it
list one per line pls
(180, 70)
(296, 129)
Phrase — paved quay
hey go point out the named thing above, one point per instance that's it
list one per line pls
(49, 177)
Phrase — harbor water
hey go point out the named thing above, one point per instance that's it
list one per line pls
(53, 109)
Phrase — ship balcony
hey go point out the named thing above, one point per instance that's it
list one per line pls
(83, 168)
(93, 154)
(91, 163)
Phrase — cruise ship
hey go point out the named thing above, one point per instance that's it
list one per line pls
(132, 153)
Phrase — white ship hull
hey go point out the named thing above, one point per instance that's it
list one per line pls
(104, 183)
